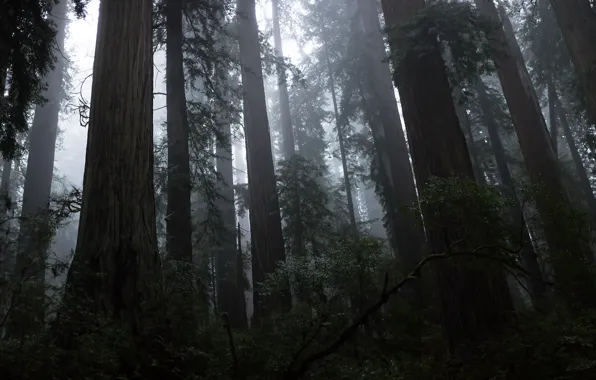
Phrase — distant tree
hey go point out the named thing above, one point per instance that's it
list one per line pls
(265, 220)
(35, 228)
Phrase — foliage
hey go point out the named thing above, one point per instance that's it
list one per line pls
(461, 31)
(303, 202)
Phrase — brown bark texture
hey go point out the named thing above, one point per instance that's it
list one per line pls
(388, 136)
(265, 219)
(116, 264)
(475, 304)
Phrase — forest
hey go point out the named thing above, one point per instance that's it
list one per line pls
(332, 189)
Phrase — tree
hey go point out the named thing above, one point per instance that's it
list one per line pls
(116, 263)
(178, 219)
(230, 288)
(577, 160)
(539, 157)
(475, 304)
(537, 285)
(388, 136)
(265, 219)
(282, 87)
(340, 125)
(577, 21)
(35, 232)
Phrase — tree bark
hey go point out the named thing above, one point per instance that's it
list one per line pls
(552, 114)
(577, 21)
(512, 49)
(265, 219)
(116, 265)
(529, 257)
(282, 87)
(541, 161)
(6, 258)
(390, 142)
(178, 214)
(475, 304)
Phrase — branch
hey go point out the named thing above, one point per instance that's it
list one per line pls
(386, 294)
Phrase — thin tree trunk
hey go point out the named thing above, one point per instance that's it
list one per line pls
(282, 87)
(6, 258)
(116, 265)
(530, 259)
(229, 291)
(340, 135)
(5, 193)
(541, 163)
(475, 304)
(577, 21)
(241, 279)
(552, 114)
(178, 214)
(265, 219)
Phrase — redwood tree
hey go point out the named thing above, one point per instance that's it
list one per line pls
(577, 21)
(389, 139)
(265, 219)
(287, 131)
(116, 263)
(35, 232)
(178, 214)
(475, 304)
(541, 162)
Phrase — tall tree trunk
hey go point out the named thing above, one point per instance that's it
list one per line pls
(116, 265)
(6, 258)
(577, 21)
(577, 160)
(530, 259)
(265, 219)
(287, 131)
(339, 125)
(35, 233)
(552, 114)
(390, 143)
(178, 217)
(514, 51)
(466, 125)
(540, 161)
(475, 304)
(230, 292)
(5, 193)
